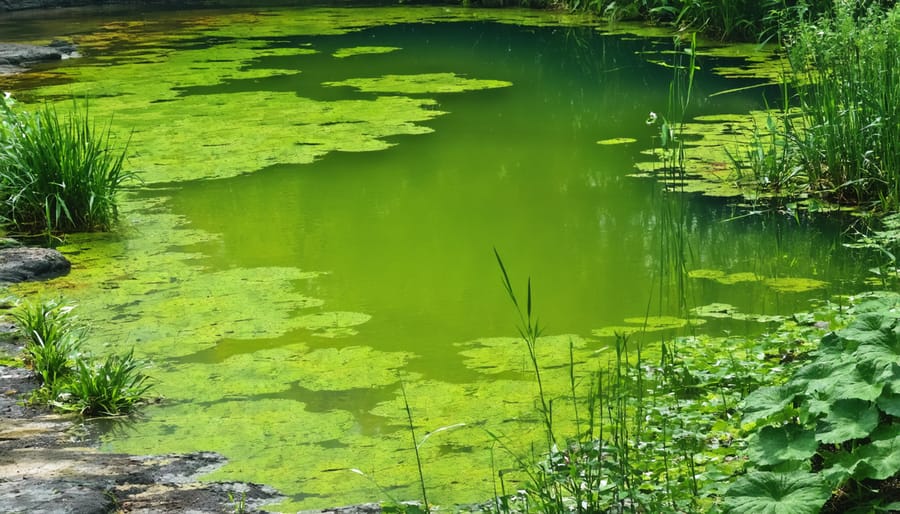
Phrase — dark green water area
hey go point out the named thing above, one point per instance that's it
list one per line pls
(322, 192)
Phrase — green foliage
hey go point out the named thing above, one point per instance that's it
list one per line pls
(833, 424)
(108, 388)
(239, 504)
(776, 493)
(57, 173)
(69, 380)
(848, 86)
(727, 19)
(51, 332)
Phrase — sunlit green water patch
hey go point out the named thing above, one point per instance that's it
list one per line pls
(323, 190)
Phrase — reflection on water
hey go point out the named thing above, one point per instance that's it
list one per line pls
(342, 238)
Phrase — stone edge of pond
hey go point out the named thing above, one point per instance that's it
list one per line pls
(15, 57)
(51, 463)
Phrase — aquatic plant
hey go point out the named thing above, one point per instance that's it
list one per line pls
(51, 335)
(848, 85)
(57, 173)
(833, 426)
(111, 387)
(841, 141)
(70, 380)
(626, 451)
(726, 19)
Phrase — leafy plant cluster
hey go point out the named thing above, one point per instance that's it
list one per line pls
(70, 380)
(838, 132)
(833, 426)
(657, 429)
(57, 173)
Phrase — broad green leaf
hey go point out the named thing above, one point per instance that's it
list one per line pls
(890, 402)
(772, 446)
(777, 493)
(831, 343)
(815, 405)
(847, 420)
(883, 352)
(879, 460)
(839, 380)
(767, 402)
(868, 328)
(883, 302)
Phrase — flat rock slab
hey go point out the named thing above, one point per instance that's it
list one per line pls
(26, 263)
(16, 53)
(49, 463)
(14, 57)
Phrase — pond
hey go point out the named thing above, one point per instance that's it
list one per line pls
(323, 190)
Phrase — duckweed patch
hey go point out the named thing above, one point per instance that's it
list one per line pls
(795, 284)
(727, 311)
(423, 83)
(617, 141)
(725, 278)
(500, 355)
(333, 324)
(158, 296)
(364, 50)
(647, 324)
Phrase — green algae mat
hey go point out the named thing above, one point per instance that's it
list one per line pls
(321, 193)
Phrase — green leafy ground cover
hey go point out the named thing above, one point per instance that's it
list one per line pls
(833, 426)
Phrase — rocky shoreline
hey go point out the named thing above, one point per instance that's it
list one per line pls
(50, 463)
(15, 57)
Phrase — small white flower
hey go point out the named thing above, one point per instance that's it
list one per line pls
(651, 118)
(7, 95)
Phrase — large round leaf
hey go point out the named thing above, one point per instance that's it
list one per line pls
(772, 446)
(777, 493)
(847, 420)
(767, 402)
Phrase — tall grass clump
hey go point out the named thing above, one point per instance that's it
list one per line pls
(615, 442)
(70, 380)
(51, 338)
(846, 68)
(747, 20)
(58, 173)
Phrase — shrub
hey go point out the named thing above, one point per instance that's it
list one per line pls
(57, 173)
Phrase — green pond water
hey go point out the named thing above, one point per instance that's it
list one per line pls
(322, 192)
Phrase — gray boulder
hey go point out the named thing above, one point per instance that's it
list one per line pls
(25, 263)
(16, 53)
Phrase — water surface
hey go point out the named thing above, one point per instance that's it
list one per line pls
(324, 190)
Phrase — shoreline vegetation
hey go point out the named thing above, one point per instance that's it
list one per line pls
(805, 419)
